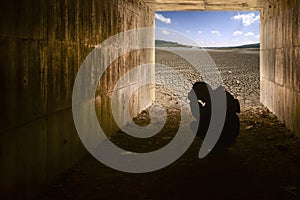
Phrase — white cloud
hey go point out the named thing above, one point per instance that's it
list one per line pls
(188, 31)
(236, 33)
(257, 36)
(199, 32)
(165, 32)
(247, 19)
(216, 33)
(249, 34)
(163, 19)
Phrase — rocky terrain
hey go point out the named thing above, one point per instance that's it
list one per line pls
(239, 71)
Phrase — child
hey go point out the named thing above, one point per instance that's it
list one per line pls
(231, 127)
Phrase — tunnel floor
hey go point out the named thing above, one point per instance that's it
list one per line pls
(264, 163)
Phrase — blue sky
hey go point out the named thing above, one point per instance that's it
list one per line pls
(208, 28)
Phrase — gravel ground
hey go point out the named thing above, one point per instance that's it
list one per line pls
(239, 71)
(263, 164)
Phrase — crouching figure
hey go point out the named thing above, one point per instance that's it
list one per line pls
(203, 101)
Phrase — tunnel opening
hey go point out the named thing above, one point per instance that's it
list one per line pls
(230, 38)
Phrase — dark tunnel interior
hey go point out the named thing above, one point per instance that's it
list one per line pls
(48, 146)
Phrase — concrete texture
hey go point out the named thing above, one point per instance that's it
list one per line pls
(42, 45)
(280, 61)
(140, 100)
(171, 5)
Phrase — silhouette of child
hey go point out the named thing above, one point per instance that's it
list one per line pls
(231, 127)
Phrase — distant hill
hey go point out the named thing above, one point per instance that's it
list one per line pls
(247, 46)
(162, 43)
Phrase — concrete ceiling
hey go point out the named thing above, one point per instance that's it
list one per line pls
(172, 5)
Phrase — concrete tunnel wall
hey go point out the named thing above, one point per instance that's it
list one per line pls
(280, 60)
(43, 44)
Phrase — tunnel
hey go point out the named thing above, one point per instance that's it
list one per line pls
(44, 43)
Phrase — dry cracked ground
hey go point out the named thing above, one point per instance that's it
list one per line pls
(264, 163)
